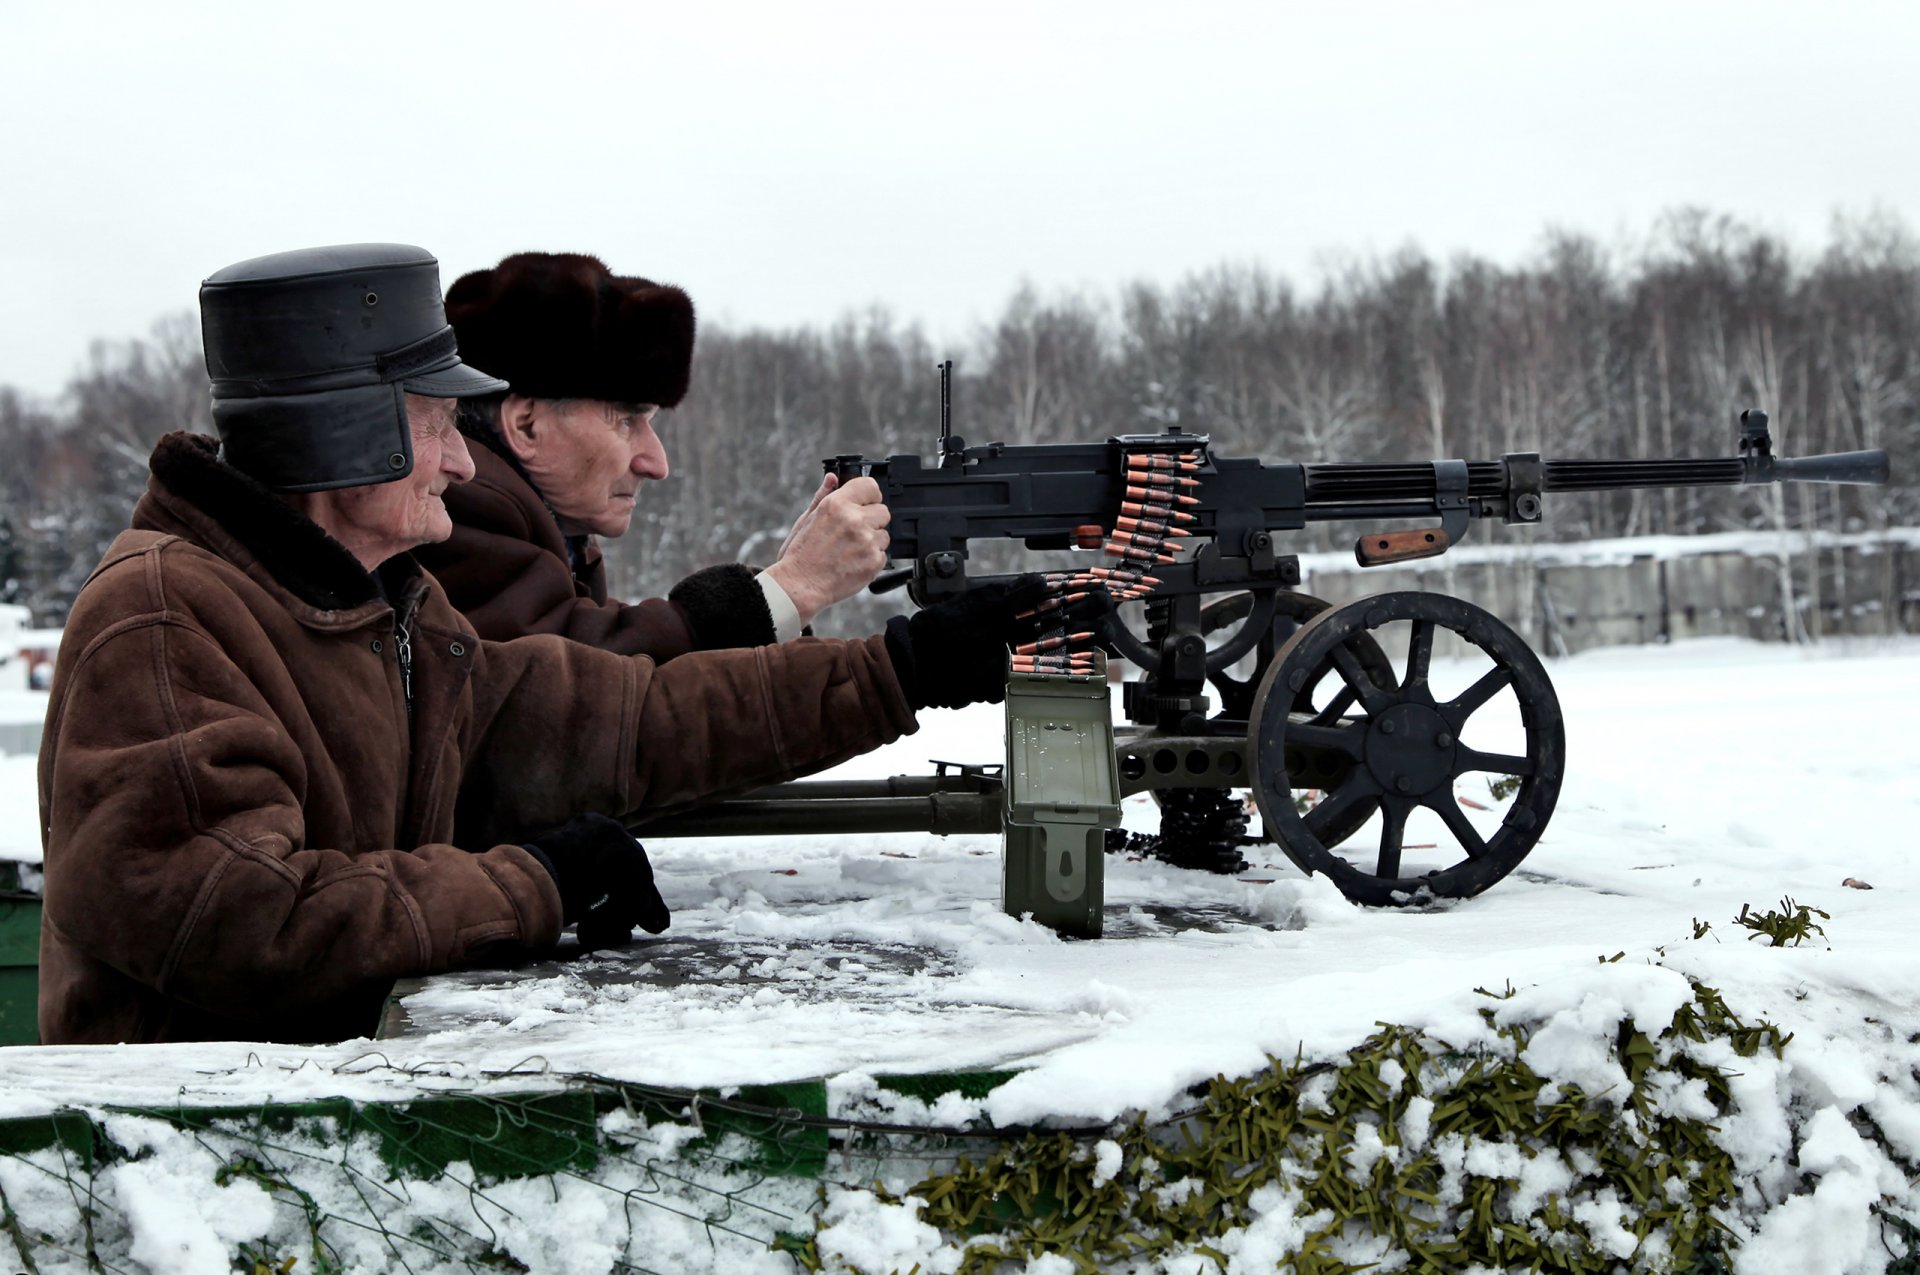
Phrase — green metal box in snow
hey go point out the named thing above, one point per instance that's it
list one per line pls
(19, 959)
(1062, 794)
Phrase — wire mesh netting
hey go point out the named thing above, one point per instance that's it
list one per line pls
(611, 1175)
(1442, 1156)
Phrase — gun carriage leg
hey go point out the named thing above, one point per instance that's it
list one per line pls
(1404, 748)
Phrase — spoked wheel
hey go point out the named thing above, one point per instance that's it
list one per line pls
(1290, 610)
(1406, 747)
(1310, 767)
(1313, 768)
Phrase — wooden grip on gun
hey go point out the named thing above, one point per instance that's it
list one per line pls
(1384, 548)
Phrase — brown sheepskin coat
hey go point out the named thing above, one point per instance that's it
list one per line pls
(507, 569)
(251, 830)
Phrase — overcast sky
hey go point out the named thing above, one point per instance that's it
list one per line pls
(789, 162)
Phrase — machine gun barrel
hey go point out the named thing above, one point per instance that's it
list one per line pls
(1346, 485)
(1863, 468)
(1621, 475)
(1351, 484)
(1868, 468)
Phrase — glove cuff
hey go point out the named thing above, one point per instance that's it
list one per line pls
(900, 651)
(540, 857)
(725, 607)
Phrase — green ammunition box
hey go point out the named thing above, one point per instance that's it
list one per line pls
(1062, 794)
(19, 960)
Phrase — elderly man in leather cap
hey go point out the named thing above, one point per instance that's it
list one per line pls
(593, 357)
(280, 770)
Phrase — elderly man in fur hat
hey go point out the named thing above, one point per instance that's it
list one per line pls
(280, 770)
(593, 357)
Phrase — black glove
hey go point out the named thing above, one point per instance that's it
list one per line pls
(605, 881)
(1082, 614)
(954, 653)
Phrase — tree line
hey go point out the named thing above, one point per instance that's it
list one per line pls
(1583, 350)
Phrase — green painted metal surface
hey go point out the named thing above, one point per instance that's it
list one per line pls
(1062, 794)
(19, 969)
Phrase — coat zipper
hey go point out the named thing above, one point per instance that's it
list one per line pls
(403, 651)
(403, 648)
(403, 618)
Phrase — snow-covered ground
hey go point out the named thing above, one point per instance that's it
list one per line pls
(1701, 777)
(1504, 544)
(19, 801)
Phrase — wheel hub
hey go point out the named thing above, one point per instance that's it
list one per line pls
(1410, 749)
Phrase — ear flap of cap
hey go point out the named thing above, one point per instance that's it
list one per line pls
(316, 442)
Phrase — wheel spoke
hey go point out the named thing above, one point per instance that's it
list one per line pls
(1393, 816)
(1448, 808)
(1497, 763)
(1419, 654)
(1469, 701)
(1340, 703)
(1356, 677)
(1348, 740)
(1342, 801)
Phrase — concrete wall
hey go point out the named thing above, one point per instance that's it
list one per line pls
(1862, 588)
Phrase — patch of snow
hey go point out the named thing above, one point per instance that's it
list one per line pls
(1702, 776)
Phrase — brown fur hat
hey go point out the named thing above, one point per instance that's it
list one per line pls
(562, 325)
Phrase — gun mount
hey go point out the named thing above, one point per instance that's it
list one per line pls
(1331, 717)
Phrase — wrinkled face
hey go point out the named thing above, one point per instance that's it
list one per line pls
(588, 457)
(383, 519)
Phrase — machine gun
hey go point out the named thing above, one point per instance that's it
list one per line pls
(1331, 716)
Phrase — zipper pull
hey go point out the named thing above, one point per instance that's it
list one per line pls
(403, 647)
